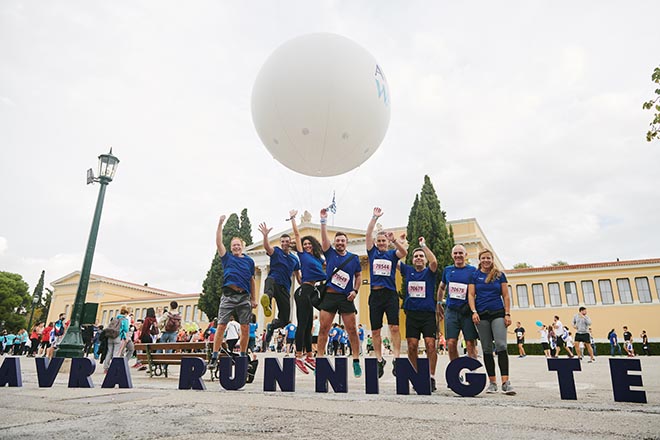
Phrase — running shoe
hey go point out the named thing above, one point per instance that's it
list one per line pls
(433, 387)
(301, 366)
(492, 387)
(265, 302)
(381, 368)
(310, 362)
(507, 389)
(142, 368)
(357, 369)
(213, 363)
(394, 367)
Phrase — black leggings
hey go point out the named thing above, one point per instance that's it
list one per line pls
(305, 315)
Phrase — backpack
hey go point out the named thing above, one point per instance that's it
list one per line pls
(173, 322)
(112, 330)
(154, 329)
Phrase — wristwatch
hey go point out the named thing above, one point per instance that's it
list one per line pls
(474, 311)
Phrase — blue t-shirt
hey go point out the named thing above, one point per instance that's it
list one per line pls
(420, 288)
(361, 333)
(238, 271)
(488, 296)
(382, 267)
(311, 267)
(253, 330)
(282, 266)
(456, 280)
(290, 331)
(9, 339)
(343, 338)
(613, 338)
(342, 281)
(334, 334)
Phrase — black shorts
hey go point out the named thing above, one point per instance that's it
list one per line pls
(334, 302)
(420, 322)
(545, 346)
(521, 341)
(560, 342)
(583, 337)
(315, 339)
(290, 340)
(383, 301)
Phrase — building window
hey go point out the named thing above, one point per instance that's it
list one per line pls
(643, 289)
(537, 292)
(657, 286)
(571, 293)
(186, 317)
(181, 310)
(104, 317)
(137, 314)
(144, 313)
(195, 313)
(606, 295)
(625, 294)
(588, 293)
(555, 295)
(66, 311)
(523, 299)
(204, 317)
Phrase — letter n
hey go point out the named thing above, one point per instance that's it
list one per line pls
(275, 375)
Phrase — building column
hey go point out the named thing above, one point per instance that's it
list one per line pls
(263, 273)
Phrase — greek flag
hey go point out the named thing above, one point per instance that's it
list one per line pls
(333, 206)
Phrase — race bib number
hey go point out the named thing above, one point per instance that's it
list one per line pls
(417, 289)
(519, 335)
(382, 267)
(340, 279)
(458, 290)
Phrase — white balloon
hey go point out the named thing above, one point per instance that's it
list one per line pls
(321, 104)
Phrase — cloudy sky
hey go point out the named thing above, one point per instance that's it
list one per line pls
(526, 116)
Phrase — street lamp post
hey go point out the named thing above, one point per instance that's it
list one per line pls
(72, 344)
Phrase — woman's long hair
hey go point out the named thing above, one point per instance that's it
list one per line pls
(494, 273)
(151, 313)
(317, 250)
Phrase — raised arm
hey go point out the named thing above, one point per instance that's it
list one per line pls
(430, 256)
(325, 242)
(401, 252)
(218, 238)
(370, 227)
(296, 234)
(264, 231)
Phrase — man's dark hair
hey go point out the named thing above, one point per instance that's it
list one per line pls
(339, 234)
(582, 308)
(285, 236)
(174, 305)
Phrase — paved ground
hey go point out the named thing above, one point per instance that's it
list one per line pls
(155, 409)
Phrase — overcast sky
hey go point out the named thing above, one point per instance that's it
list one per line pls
(526, 116)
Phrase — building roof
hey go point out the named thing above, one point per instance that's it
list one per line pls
(569, 267)
(101, 278)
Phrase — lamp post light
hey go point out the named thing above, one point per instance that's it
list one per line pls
(72, 344)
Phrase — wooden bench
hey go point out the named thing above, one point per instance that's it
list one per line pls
(155, 355)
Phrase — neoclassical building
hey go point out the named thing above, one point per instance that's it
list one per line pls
(616, 293)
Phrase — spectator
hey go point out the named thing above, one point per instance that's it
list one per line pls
(645, 343)
(614, 343)
(115, 345)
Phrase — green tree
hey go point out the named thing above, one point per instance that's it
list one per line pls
(559, 263)
(522, 266)
(14, 298)
(38, 293)
(428, 220)
(45, 305)
(209, 300)
(245, 230)
(654, 105)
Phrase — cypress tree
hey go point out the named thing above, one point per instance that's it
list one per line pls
(428, 220)
(245, 230)
(231, 229)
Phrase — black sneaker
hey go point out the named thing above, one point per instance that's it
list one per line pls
(381, 368)
(213, 363)
(433, 388)
(394, 367)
